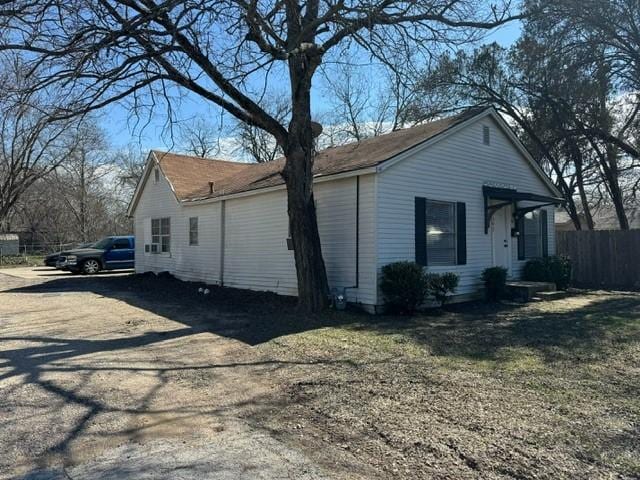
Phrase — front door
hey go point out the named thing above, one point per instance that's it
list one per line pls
(501, 238)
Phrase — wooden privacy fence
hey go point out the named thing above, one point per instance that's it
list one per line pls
(603, 258)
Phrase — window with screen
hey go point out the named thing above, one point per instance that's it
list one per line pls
(532, 235)
(441, 233)
(193, 231)
(161, 233)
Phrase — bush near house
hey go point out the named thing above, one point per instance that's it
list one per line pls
(441, 285)
(556, 269)
(495, 282)
(404, 287)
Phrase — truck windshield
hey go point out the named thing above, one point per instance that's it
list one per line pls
(102, 244)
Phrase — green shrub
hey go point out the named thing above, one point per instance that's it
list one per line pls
(441, 285)
(556, 269)
(404, 286)
(495, 281)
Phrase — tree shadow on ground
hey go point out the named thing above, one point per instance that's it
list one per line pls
(226, 312)
(248, 316)
(475, 330)
(482, 331)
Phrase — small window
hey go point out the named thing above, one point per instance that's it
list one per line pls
(441, 233)
(156, 175)
(486, 135)
(532, 235)
(193, 231)
(120, 244)
(161, 233)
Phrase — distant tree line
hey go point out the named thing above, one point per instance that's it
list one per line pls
(60, 180)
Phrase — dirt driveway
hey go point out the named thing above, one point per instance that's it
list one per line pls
(100, 378)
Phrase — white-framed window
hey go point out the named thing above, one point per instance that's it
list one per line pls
(193, 230)
(441, 232)
(532, 235)
(161, 233)
(156, 175)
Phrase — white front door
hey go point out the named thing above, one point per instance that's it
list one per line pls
(501, 238)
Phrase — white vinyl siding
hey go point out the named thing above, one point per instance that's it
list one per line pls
(441, 233)
(454, 170)
(255, 231)
(183, 261)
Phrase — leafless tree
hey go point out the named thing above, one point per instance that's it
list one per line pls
(82, 182)
(101, 51)
(129, 163)
(199, 138)
(32, 141)
(366, 100)
(259, 145)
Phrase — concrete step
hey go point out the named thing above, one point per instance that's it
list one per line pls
(525, 291)
(557, 295)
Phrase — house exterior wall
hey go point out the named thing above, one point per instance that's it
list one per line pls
(189, 262)
(454, 169)
(255, 232)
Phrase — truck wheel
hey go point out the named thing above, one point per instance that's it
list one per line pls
(91, 266)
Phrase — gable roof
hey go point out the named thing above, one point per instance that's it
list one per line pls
(189, 176)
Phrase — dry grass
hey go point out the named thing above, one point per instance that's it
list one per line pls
(548, 390)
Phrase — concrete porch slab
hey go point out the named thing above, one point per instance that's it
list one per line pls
(525, 291)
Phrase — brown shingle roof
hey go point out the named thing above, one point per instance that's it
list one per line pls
(190, 176)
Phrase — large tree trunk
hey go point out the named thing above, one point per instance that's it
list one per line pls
(313, 289)
(586, 208)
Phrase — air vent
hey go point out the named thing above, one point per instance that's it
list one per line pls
(486, 135)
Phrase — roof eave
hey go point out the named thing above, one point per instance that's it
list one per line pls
(247, 193)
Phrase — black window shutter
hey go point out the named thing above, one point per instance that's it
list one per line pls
(544, 234)
(520, 227)
(421, 230)
(461, 231)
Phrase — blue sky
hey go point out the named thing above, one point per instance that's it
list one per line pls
(122, 131)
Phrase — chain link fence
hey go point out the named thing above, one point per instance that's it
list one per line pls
(31, 253)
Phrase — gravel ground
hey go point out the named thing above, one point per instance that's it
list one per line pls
(111, 377)
(142, 377)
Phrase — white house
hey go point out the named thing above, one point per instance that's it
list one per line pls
(459, 194)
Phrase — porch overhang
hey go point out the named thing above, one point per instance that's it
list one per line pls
(510, 196)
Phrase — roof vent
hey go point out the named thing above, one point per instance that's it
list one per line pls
(210, 188)
(486, 135)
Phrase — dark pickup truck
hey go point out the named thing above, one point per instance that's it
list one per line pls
(51, 260)
(110, 253)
